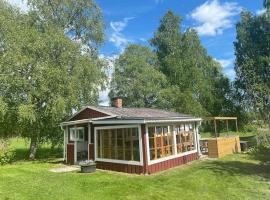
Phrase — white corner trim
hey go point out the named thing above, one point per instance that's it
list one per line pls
(147, 144)
(140, 144)
(75, 152)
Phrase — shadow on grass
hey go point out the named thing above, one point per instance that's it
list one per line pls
(43, 154)
(261, 153)
(228, 168)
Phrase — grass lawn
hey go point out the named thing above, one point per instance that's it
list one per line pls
(233, 177)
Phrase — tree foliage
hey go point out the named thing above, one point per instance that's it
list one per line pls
(44, 76)
(195, 76)
(81, 19)
(136, 78)
(252, 49)
(177, 75)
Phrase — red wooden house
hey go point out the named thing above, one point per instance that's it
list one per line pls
(132, 140)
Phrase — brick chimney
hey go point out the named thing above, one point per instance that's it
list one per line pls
(117, 102)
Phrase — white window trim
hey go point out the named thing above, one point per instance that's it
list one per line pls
(140, 163)
(77, 139)
(177, 155)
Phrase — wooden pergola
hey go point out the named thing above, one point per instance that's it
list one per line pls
(215, 119)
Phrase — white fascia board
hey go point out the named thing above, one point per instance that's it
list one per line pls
(119, 122)
(76, 122)
(142, 121)
(85, 120)
(100, 118)
(172, 120)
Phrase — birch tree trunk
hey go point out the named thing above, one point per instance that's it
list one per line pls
(33, 147)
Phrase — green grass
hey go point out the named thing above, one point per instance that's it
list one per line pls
(21, 147)
(233, 177)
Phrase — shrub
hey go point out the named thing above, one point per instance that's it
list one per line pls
(261, 153)
(263, 138)
(262, 150)
(250, 128)
(7, 154)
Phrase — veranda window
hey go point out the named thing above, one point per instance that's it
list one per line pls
(184, 137)
(160, 141)
(77, 134)
(118, 144)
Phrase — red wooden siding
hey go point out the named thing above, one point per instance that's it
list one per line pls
(91, 154)
(87, 114)
(144, 149)
(150, 169)
(132, 169)
(171, 163)
(70, 154)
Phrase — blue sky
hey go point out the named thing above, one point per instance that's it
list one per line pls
(135, 21)
(129, 21)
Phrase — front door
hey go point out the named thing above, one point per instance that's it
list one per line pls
(79, 136)
(81, 149)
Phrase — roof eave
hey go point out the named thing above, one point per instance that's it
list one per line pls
(83, 121)
(174, 120)
(145, 121)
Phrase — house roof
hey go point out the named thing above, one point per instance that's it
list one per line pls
(140, 113)
(128, 116)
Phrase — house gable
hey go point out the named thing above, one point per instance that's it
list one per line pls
(88, 113)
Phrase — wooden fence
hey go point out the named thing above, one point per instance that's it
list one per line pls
(222, 146)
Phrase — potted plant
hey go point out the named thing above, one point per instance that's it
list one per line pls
(87, 166)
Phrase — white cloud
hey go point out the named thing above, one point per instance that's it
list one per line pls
(226, 63)
(143, 39)
(120, 25)
(21, 4)
(117, 37)
(260, 12)
(119, 40)
(213, 17)
(230, 73)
